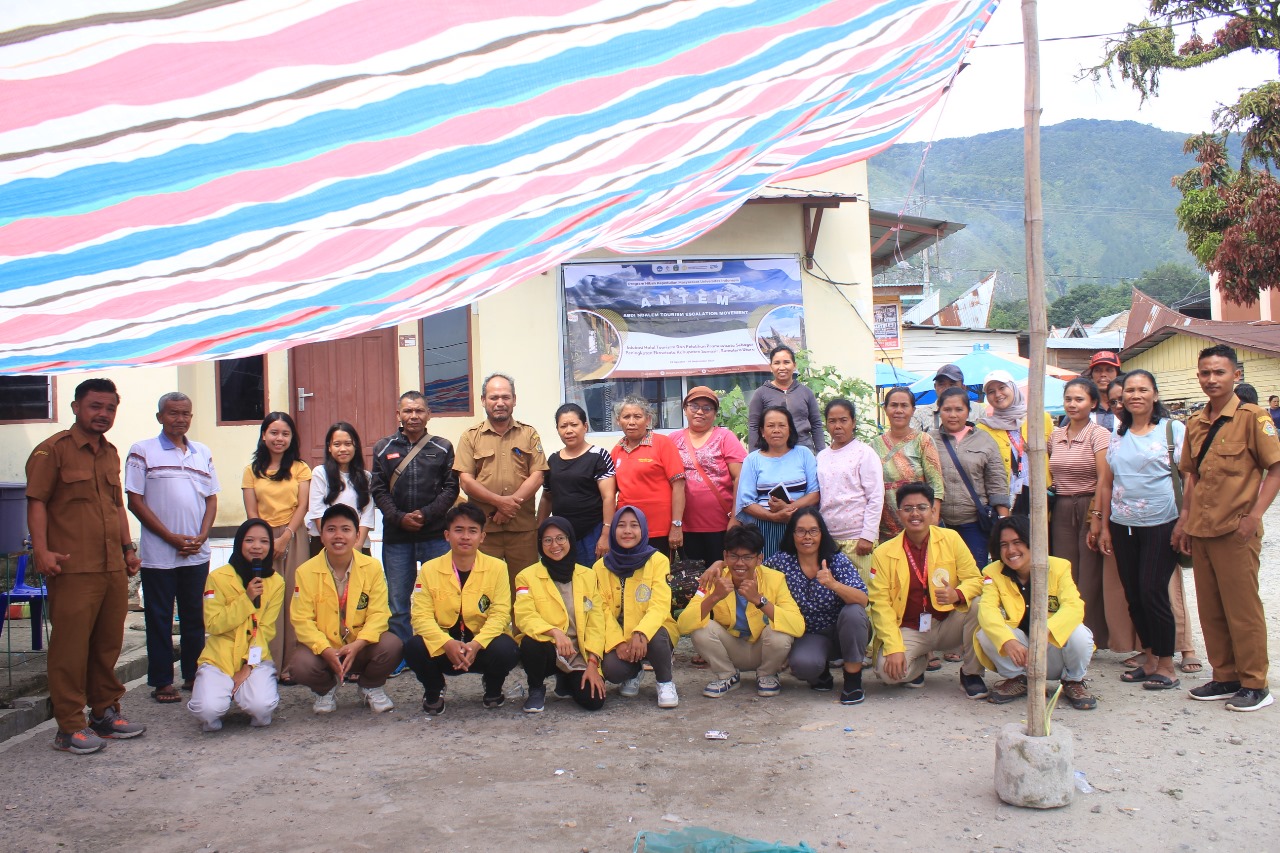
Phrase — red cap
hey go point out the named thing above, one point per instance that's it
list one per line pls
(1104, 357)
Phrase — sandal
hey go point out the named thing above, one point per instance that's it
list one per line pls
(933, 665)
(1161, 682)
(1190, 664)
(166, 695)
(1135, 661)
(1136, 676)
(953, 657)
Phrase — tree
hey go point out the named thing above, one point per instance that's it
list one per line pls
(1170, 282)
(1231, 216)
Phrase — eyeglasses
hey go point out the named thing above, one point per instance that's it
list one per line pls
(558, 540)
(740, 558)
(1116, 404)
(915, 509)
(813, 533)
(700, 410)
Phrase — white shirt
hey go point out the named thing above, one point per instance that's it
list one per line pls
(348, 496)
(174, 483)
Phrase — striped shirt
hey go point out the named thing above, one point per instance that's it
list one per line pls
(1072, 461)
(174, 483)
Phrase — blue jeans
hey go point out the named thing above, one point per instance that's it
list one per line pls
(160, 588)
(586, 546)
(400, 562)
(977, 542)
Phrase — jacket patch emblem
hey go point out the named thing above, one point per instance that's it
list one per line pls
(643, 593)
(297, 591)
(417, 588)
(1053, 604)
(363, 603)
(522, 590)
(209, 595)
(483, 604)
(393, 455)
(1268, 426)
(587, 606)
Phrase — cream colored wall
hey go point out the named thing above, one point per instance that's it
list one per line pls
(1173, 363)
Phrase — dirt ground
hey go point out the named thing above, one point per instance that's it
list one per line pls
(905, 770)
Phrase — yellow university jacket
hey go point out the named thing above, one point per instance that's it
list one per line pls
(1002, 441)
(772, 585)
(228, 618)
(1001, 607)
(539, 607)
(484, 603)
(891, 578)
(314, 610)
(648, 601)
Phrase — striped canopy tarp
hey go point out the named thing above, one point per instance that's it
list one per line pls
(198, 179)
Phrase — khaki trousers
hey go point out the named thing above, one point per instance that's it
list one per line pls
(518, 548)
(956, 630)
(1231, 613)
(726, 654)
(374, 664)
(86, 612)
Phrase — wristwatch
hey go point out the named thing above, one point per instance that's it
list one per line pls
(677, 523)
(763, 602)
(129, 546)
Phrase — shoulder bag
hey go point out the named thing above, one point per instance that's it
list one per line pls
(986, 513)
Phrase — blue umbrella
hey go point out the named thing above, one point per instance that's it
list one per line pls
(887, 375)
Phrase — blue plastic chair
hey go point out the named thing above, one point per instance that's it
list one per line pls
(34, 595)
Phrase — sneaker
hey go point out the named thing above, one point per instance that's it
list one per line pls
(631, 687)
(768, 685)
(215, 726)
(377, 699)
(495, 700)
(974, 686)
(562, 690)
(667, 697)
(399, 670)
(82, 742)
(1008, 690)
(113, 725)
(537, 699)
(825, 682)
(1215, 690)
(433, 706)
(719, 687)
(326, 703)
(851, 693)
(1079, 697)
(1250, 699)
(916, 682)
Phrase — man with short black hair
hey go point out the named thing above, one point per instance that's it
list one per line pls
(1231, 459)
(82, 545)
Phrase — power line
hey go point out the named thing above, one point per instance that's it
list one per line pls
(1135, 29)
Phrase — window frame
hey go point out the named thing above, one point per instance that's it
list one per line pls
(472, 392)
(217, 391)
(52, 381)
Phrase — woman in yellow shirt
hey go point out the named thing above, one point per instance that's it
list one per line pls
(241, 602)
(277, 489)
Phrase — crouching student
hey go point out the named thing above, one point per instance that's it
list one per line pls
(460, 609)
(340, 617)
(745, 619)
(241, 603)
(924, 588)
(1004, 619)
(557, 609)
(636, 596)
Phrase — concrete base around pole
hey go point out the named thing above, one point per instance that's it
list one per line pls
(1035, 772)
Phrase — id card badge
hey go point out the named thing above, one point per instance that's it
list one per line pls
(255, 655)
(926, 622)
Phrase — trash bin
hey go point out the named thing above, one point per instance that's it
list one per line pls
(13, 516)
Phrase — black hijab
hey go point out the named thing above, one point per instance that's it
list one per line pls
(243, 566)
(561, 570)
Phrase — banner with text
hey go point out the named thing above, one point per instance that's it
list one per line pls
(639, 320)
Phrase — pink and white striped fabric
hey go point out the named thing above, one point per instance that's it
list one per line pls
(202, 179)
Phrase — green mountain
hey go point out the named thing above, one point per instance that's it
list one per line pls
(1108, 201)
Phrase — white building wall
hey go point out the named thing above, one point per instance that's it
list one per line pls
(927, 349)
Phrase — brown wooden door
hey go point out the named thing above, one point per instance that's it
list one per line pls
(351, 380)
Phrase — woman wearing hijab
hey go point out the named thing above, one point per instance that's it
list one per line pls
(557, 609)
(1006, 421)
(241, 603)
(636, 598)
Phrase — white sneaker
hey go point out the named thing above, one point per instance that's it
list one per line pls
(377, 699)
(215, 726)
(326, 703)
(631, 687)
(667, 697)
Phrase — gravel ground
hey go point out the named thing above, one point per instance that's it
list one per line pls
(907, 769)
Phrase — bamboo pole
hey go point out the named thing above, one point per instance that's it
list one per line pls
(1037, 453)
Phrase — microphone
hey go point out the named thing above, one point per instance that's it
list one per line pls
(258, 570)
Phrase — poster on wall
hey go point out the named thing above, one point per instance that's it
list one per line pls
(678, 318)
(885, 324)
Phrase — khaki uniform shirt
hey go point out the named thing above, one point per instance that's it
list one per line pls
(1232, 471)
(82, 495)
(501, 463)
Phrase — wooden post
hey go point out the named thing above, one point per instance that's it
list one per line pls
(1037, 452)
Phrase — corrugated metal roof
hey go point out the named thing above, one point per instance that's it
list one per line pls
(1152, 322)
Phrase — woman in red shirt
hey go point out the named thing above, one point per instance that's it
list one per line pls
(649, 473)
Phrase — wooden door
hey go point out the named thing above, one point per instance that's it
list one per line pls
(351, 380)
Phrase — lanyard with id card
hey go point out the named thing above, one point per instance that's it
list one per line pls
(255, 652)
(921, 574)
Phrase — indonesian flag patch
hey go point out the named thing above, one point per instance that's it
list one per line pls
(297, 591)
(986, 581)
(209, 594)
(417, 588)
(522, 590)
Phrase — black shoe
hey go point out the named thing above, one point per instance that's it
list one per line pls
(1214, 690)
(537, 699)
(1250, 699)
(825, 682)
(918, 681)
(974, 686)
(495, 700)
(434, 706)
(851, 693)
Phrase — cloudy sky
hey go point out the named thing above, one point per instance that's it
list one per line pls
(988, 95)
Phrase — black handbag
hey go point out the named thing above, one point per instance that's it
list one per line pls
(684, 577)
(987, 515)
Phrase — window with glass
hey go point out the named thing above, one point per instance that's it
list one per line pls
(242, 390)
(446, 362)
(26, 398)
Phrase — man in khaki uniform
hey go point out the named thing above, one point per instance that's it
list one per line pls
(81, 543)
(1229, 447)
(500, 466)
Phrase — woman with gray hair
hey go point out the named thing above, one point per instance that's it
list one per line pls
(649, 473)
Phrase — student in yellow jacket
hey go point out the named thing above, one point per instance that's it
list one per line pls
(746, 620)
(1006, 422)
(637, 601)
(558, 610)
(241, 603)
(924, 590)
(340, 616)
(460, 610)
(1004, 619)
